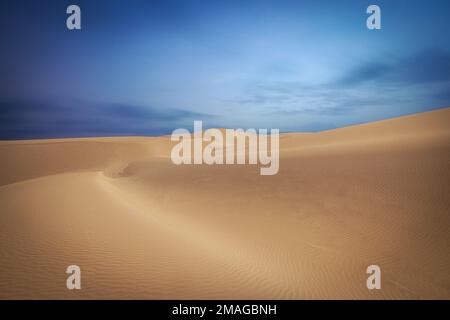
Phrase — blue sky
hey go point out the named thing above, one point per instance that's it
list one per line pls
(148, 67)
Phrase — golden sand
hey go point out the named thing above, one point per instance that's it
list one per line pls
(141, 227)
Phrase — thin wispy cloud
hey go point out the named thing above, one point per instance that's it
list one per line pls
(415, 81)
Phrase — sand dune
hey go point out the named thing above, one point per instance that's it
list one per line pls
(141, 227)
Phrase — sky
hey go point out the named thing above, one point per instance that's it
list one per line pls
(149, 67)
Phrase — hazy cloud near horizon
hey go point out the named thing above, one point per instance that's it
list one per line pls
(39, 119)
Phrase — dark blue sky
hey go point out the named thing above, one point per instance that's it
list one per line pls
(148, 67)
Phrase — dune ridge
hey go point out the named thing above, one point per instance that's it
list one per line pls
(141, 227)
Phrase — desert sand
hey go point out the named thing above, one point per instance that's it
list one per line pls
(141, 227)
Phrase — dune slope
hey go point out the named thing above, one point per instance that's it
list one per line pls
(140, 227)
